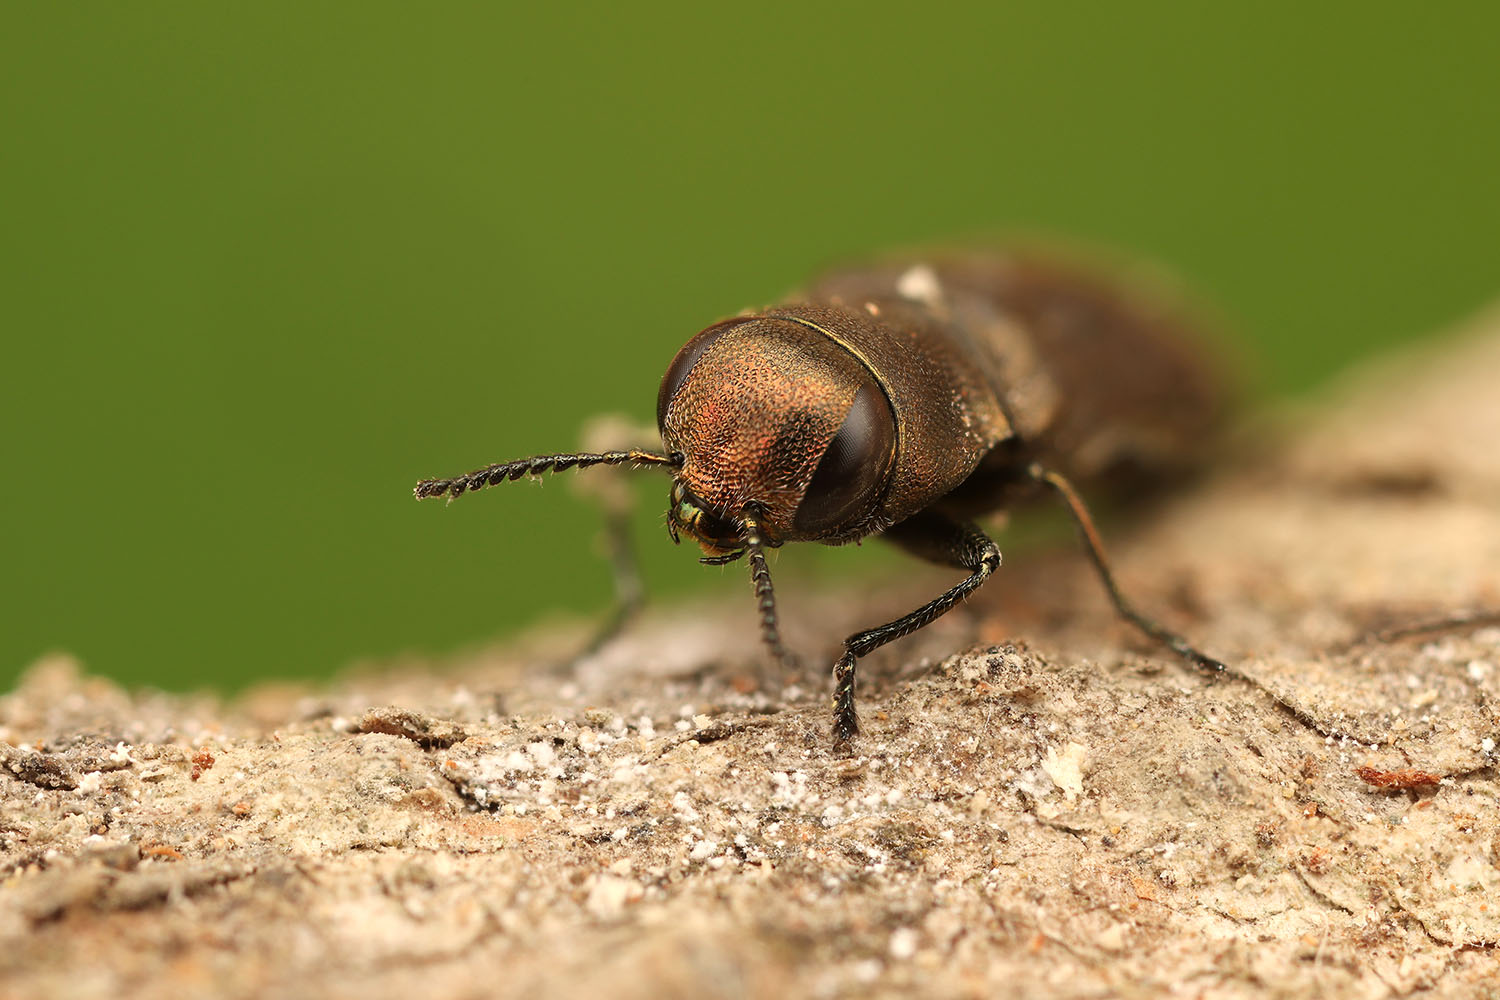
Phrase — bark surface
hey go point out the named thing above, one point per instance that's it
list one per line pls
(1040, 805)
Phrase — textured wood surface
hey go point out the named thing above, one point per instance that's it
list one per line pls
(1041, 805)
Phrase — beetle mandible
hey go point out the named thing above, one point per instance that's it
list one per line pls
(904, 399)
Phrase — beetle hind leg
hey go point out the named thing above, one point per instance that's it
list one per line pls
(1095, 548)
(936, 538)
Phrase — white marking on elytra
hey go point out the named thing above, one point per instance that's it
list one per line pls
(920, 284)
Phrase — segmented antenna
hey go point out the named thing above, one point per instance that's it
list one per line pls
(493, 475)
(760, 575)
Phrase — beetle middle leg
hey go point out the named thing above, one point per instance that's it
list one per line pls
(936, 538)
(1095, 548)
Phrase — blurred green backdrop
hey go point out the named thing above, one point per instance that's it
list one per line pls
(267, 264)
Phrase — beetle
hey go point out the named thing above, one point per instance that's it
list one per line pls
(906, 398)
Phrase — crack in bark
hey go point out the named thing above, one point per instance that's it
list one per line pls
(1320, 894)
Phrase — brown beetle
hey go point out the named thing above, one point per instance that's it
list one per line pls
(905, 399)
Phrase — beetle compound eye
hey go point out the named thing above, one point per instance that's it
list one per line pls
(852, 471)
(684, 362)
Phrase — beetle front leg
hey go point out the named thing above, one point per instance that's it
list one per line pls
(629, 592)
(610, 491)
(935, 538)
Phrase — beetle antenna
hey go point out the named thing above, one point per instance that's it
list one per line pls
(760, 575)
(493, 475)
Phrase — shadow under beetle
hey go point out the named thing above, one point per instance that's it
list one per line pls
(904, 399)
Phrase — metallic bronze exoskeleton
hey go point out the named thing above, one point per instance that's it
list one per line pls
(904, 400)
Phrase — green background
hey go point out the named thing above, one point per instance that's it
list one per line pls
(264, 265)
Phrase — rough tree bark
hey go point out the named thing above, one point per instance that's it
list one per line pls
(1042, 805)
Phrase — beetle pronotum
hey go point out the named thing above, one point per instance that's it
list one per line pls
(904, 399)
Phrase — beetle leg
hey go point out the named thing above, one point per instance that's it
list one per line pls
(612, 497)
(936, 538)
(610, 489)
(1095, 548)
(765, 596)
(630, 595)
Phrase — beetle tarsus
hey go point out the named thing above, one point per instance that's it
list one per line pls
(845, 718)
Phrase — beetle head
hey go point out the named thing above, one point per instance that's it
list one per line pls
(686, 515)
(770, 416)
